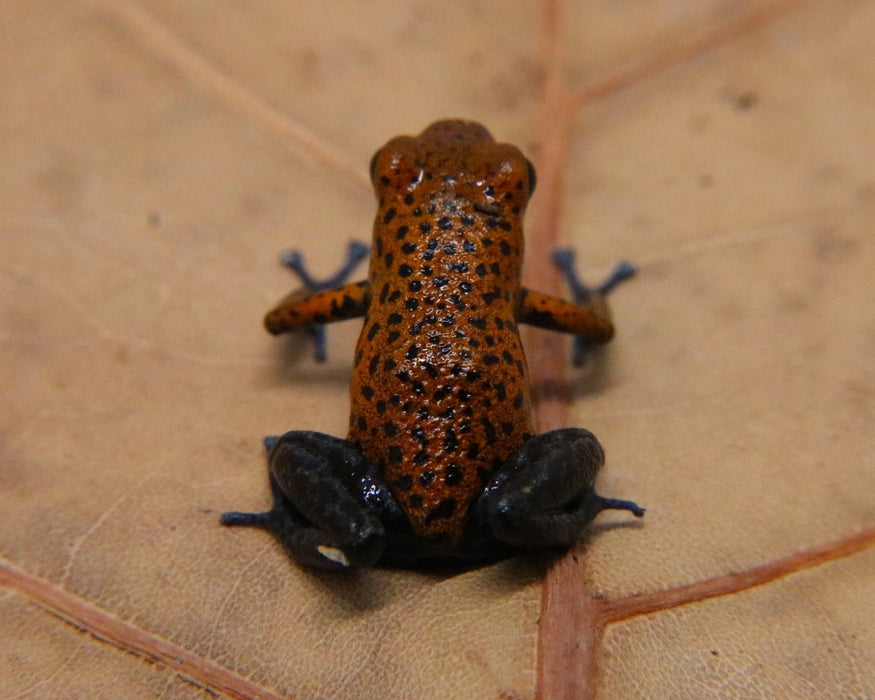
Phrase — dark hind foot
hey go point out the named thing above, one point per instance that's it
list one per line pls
(330, 506)
(543, 496)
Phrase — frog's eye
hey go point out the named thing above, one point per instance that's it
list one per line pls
(373, 166)
(533, 179)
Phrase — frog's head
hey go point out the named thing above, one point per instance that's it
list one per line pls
(455, 161)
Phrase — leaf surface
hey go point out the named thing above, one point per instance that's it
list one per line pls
(158, 156)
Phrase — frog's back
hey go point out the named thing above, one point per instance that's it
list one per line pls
(439, 392)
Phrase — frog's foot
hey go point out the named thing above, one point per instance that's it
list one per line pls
(617, 504)
(564, 259)
(266, 519)
(294, 261)
(236, 517)
(330, 506)
(543, 496)
(262, 520)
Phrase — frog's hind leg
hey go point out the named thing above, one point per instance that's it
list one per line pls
(543, 496)
(329, 502)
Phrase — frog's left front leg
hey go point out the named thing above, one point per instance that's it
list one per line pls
(543, 496)
(294, 261)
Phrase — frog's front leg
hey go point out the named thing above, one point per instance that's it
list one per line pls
(337, 302)
(543, 496)
(301, 310)
(587, 317)
(331, 507)
(584, 295)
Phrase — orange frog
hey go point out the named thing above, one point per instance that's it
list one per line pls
(441, 461)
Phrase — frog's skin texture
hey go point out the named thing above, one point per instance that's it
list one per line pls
(441, 460)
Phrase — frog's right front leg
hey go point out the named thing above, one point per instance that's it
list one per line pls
(331, 507)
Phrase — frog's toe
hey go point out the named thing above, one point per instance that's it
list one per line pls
(622, 272)
(565, 260)
(320, 342)
(618, 504)
(236, 517)
(294, 261)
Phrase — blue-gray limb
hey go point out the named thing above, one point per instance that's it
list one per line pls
(294, 261)
(564, 259)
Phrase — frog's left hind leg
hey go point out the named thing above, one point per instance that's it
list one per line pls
(330, 505)
(543, 496)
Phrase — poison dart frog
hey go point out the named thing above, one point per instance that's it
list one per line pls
(441, 461)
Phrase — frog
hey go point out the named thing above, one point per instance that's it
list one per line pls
(441, 462)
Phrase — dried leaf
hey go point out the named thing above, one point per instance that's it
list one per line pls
(158, 156)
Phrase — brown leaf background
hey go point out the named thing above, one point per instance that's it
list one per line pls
(157, 156)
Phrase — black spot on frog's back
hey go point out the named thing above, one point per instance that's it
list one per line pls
(442, 511)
